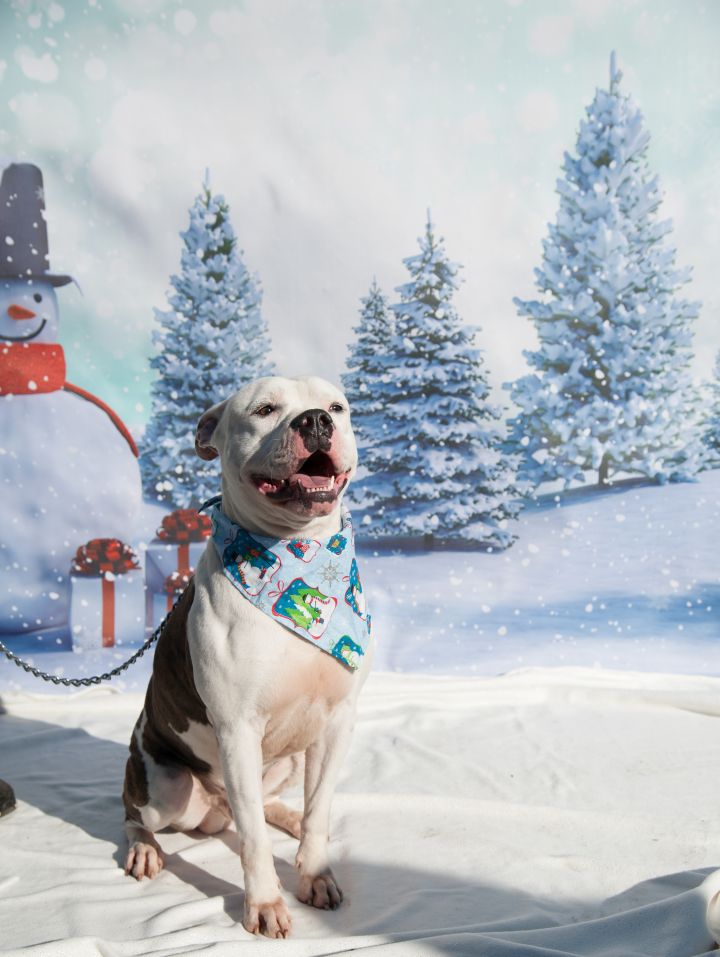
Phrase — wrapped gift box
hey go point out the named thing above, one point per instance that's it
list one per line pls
(159, 603)
(180, 542)
(106, 595)
(162, 560)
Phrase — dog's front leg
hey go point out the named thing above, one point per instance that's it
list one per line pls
(323, 758)
(241, 754)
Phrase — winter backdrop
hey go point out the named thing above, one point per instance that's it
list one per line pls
(560, 809)
(330, 127)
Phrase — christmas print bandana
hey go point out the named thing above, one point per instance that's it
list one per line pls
(312, 588)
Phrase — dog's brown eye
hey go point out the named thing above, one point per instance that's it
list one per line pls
(265, 410)
(336, 407)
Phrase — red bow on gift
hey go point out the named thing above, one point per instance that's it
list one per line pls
(105, 558)
(102, 555)
(184, 525)
(176, 582)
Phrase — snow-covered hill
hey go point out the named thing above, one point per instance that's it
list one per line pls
(627, 578)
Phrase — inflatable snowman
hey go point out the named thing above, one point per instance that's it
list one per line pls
(68, 465)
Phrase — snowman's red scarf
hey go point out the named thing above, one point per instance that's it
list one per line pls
(32, 368)
(28, 368)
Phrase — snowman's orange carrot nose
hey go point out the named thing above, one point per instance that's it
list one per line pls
(20, 312)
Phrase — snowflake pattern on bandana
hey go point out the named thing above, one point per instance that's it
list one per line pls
(312, 588)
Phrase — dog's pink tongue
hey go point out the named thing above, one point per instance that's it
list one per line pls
(313, 481)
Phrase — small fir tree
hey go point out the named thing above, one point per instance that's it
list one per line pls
(611, 388)
(211, 342)
(368, 383)
(711, 418)
(438, 468)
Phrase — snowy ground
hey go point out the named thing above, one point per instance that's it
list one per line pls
(547, 812)
(626, 578)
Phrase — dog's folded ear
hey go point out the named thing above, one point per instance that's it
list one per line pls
(205, 429)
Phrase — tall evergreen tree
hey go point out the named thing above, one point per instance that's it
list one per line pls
(611, 388)
(368, 383)
(438, 468)
(210, 343)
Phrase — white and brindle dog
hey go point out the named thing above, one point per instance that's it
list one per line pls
(236, 705)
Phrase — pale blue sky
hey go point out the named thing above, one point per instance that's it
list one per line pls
(330, 126)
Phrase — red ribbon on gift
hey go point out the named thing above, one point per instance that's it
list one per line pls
(104, 558)
(175, 584)
(183, 526)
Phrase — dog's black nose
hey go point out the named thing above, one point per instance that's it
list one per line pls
(315, 427)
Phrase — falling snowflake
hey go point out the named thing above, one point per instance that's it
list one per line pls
(331, 573)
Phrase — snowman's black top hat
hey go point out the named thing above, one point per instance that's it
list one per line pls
(23, 230)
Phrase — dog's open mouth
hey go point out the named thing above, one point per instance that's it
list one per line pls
(317, 480)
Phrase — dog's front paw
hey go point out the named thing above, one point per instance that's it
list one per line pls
(320, 890)
(144, 860)
(271, 920)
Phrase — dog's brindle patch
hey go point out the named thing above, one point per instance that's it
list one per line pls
(171, 703)
(135, 791)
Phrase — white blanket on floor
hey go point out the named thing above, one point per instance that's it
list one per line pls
(544, 813)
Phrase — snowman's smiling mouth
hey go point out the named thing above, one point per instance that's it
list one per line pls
(32, 335)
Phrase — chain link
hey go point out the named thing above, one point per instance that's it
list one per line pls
(96, 679)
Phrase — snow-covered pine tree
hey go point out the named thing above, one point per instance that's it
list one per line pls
(711, 417)
(210, 343)
(611, 390)
(438, 469)
(368, 383)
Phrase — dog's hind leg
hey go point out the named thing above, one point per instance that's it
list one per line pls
(218, 816)
(176, 799)
(157, 796)
(277, 777)
(144, 856)
(283, 817)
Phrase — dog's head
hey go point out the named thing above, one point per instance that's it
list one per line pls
(286, 447)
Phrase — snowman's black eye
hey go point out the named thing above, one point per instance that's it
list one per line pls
(37, 297)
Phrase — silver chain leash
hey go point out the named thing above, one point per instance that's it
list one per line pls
(96, 679)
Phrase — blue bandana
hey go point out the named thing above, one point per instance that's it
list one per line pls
(312, 588)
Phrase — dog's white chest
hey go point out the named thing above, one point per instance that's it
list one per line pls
(258, 669)
(309, 689)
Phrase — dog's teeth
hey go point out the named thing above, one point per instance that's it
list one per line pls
(324, 488)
